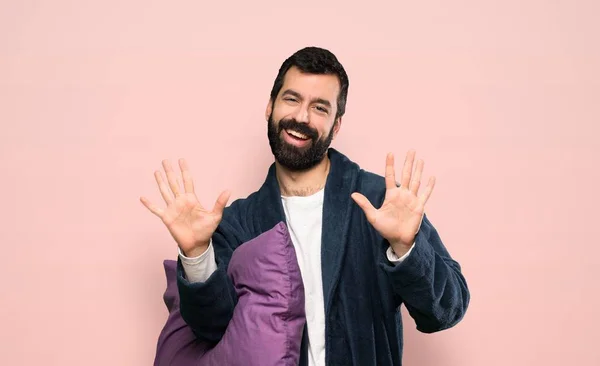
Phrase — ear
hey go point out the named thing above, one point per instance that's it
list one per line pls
(269, 109)
(336, 127)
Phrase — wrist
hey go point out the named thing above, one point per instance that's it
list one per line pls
(400, 248)
(195, 251)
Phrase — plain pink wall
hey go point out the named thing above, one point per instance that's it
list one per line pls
(501, 99)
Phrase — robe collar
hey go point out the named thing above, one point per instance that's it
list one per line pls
(337, 204)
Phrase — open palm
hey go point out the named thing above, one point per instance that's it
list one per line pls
(190, 224)
(399, 217)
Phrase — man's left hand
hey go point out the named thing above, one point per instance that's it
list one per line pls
(399, 218)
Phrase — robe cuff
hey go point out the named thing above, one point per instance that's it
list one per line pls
(414, 266)
(394, 259)
(212, 291)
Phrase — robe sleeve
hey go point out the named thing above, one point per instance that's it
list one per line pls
(430, 283)
(207, 307)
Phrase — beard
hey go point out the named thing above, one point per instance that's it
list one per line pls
(292, 157)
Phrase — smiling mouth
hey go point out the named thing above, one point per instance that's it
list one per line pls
(297, 135)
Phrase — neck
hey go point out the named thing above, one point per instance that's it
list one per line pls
(303, 183)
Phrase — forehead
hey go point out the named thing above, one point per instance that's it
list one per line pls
(312, 86)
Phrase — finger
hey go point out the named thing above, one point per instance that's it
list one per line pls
(416, 179)
(155, 210)
(407, 170)
(428, 189)
(390, 174)
(221, 202)
(162, 186)
(365, 205)
(171, 178)
(188, 182)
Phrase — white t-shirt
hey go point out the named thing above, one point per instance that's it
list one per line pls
(304, 216)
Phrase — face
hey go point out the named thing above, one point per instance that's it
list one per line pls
(301, 120)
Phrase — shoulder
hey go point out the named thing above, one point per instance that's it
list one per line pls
(234, 223)
(241, 209)
(366, 181)
(371, 180)
(237, 208)
(371, 185)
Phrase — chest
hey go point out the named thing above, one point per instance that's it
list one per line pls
(305, 225)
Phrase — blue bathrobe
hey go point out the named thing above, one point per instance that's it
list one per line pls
(362, 289)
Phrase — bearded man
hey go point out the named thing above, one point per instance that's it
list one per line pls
(363, 241)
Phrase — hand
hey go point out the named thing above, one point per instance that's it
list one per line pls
(190, 224)
(399, 218)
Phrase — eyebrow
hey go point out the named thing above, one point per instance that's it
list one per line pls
(315, 100)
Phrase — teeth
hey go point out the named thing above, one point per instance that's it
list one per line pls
(297, 134)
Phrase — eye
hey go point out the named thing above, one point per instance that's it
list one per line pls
(290, 99)
(322, 109)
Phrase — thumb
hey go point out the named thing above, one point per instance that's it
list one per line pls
(222, 202)
(366, 206)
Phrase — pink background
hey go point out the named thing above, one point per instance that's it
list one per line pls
(501, 99)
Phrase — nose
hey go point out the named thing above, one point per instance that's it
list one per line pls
(301, 114)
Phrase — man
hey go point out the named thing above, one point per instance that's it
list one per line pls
(359, 263)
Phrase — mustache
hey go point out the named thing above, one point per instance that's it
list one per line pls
(293, 125)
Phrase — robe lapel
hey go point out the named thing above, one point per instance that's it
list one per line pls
(269, 210)
(341, 182)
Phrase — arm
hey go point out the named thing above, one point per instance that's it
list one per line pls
(176, 343)
(393, 258)
(199, 269)
(428, 280)
(207, 307)
(430, 283)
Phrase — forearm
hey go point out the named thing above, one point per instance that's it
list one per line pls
(175, 344)
(207, 307)
(430, 283)
(207, 293)
(199, 269)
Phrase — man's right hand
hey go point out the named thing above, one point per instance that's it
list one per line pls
(189, 223)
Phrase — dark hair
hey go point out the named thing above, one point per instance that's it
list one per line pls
(315, 60)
